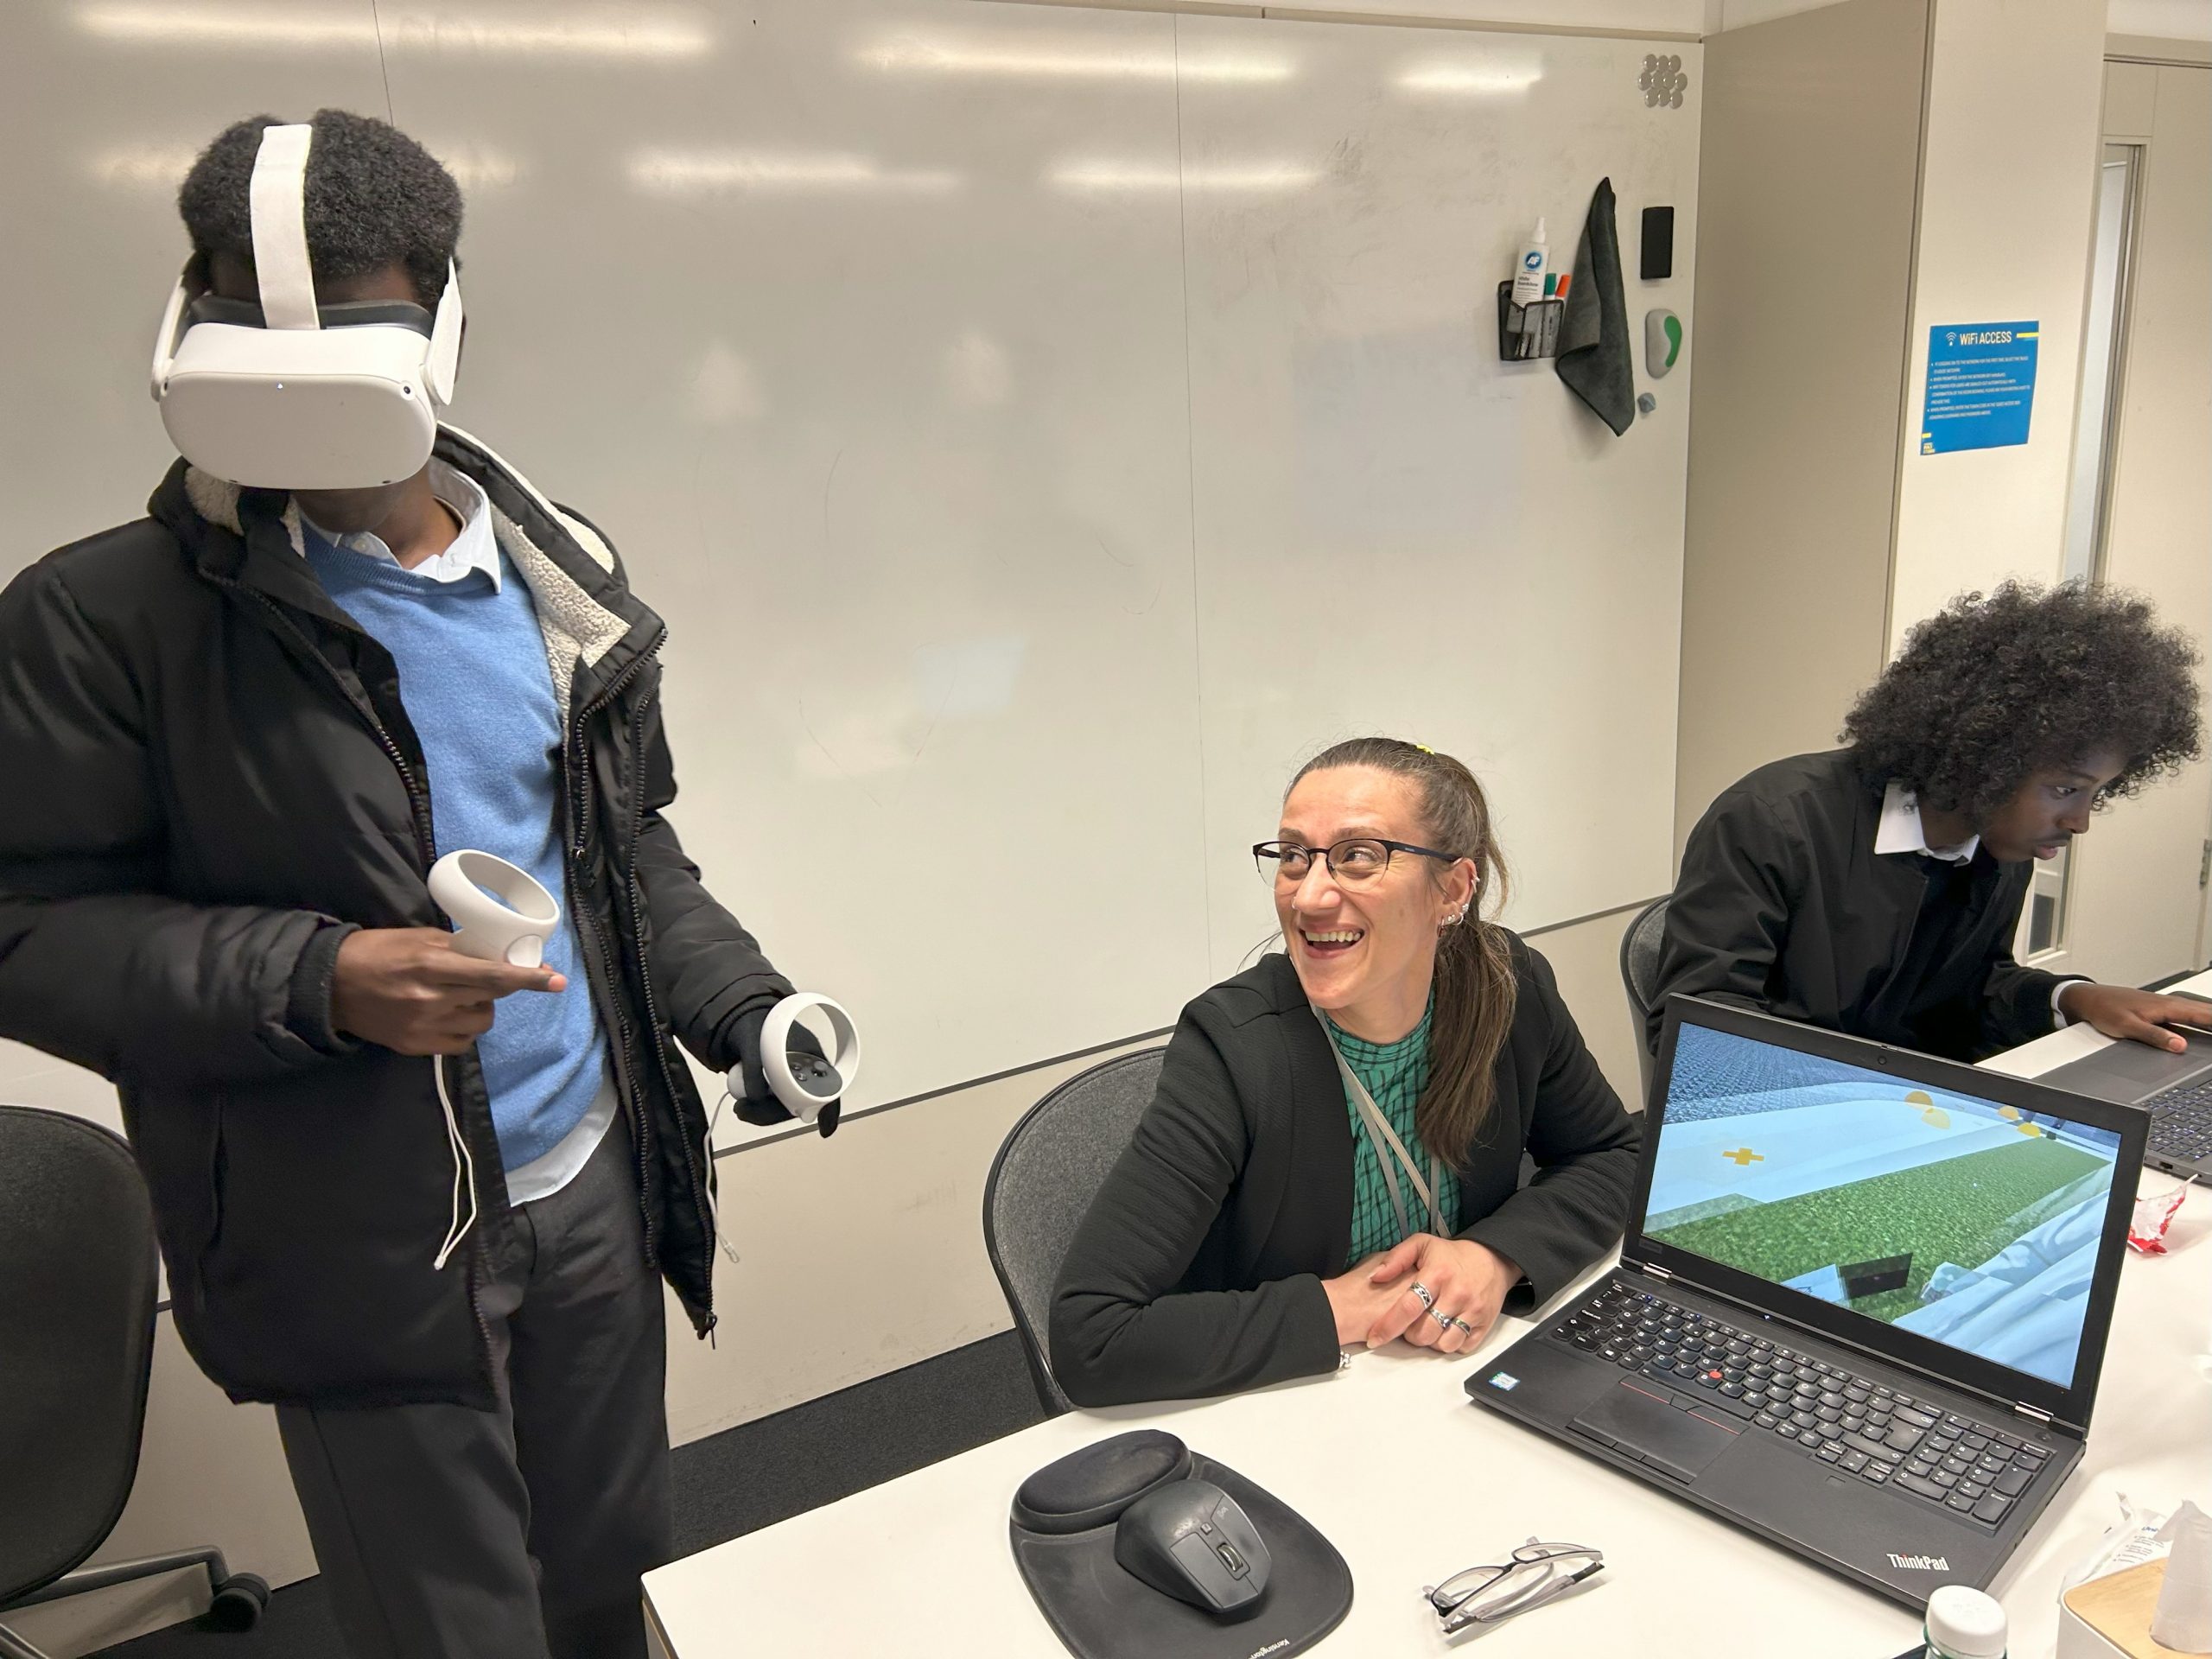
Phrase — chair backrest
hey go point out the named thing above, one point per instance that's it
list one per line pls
(1041, 1185)
(77, 1283)
(1640, 975)
(1640, 956)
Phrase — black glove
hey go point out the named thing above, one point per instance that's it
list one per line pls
(758, 1104)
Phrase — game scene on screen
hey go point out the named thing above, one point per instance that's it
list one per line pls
(1969, 1221)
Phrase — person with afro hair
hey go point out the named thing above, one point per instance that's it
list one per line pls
(1875, 889)
(423, 1204)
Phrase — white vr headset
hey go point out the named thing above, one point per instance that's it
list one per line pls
(284, 395)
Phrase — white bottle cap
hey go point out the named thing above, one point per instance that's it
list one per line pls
(1964, 1622)
(1539, 230)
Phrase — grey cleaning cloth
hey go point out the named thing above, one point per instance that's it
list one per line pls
(1596, 359)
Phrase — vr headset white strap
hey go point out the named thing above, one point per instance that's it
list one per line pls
(441, 365)
(279, 198)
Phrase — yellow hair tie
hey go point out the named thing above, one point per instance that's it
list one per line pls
(1424, 748)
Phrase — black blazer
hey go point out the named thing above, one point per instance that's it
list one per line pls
(1199, 1268)
(1783, 906)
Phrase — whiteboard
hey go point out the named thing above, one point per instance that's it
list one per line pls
(1041, 429)
(1396, 531)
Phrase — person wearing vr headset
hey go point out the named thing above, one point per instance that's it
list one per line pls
(345, 640)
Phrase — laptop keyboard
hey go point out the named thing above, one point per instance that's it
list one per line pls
(1884, 1437)
(2181, 1123)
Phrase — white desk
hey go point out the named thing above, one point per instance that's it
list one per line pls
(1411, 1482)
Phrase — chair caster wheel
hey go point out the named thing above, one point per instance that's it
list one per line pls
(239, 1601)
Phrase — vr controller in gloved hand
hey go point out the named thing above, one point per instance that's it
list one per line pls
(782, 1072)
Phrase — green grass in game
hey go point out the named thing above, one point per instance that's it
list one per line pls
(1957, 1210)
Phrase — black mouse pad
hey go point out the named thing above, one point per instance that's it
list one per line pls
(1101, 1611)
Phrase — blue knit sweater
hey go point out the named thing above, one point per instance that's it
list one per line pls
(473, 678)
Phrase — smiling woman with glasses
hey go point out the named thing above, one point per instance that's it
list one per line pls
(1333, 1155)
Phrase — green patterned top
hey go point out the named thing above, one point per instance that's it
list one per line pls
(1394, 1074)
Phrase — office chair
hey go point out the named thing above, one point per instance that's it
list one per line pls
(77, 1280)
(1640, 975)
(1041, 1184)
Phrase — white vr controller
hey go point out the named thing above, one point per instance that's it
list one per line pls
(513, 931)
(806, 1083)
(514, 927)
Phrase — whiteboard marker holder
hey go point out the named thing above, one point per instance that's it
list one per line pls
(1526, 333)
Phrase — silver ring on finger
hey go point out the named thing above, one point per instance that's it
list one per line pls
(1427, 1296)
(1463, 1325)
(1443, 1319)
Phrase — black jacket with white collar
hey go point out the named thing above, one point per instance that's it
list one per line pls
(1783, 906)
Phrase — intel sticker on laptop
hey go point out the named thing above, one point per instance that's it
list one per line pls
(1504, 1381)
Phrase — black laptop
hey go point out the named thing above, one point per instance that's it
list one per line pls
(1861, 1305)
(2175, 1089)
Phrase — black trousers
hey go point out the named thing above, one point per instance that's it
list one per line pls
(447, 1532)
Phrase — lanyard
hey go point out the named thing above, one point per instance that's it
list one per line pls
(1379, 1131)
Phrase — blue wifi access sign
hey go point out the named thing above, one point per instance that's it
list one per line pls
(1981, 386)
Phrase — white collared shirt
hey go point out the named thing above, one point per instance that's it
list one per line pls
(1902, 831)
(473, 550)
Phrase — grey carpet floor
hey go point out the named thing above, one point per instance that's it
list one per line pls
(733, 1483)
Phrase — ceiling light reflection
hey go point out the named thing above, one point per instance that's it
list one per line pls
(274, 27)
(603, 32)
(163, 167)
(680, 173)
(1469, 79)
(144, 167)
(476, 169)
(1102, 61)
(1109, 176)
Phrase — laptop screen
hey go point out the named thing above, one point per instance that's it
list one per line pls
(1973, 1224)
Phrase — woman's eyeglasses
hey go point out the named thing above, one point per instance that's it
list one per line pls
(1487, 1595)
(1353, 862)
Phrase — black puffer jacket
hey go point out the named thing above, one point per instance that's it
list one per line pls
(211, 780)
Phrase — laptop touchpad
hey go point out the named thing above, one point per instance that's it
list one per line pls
(1672, 1440)
(2130, 1072)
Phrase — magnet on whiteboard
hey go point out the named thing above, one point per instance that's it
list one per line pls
(1645, 402)
(1663, 341)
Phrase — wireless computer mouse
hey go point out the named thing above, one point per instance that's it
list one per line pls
(1191, 1539)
